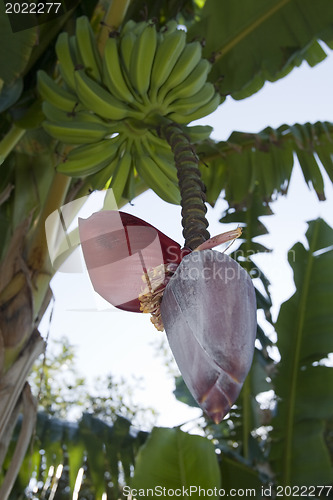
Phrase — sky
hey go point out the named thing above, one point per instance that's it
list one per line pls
(125, 344)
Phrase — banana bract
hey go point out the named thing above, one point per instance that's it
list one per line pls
(118, 249)
(203, 299)
(209, 314)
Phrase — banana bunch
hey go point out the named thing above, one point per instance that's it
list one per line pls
(110, 106)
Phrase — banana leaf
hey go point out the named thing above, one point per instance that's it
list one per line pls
(262, 163)
(173, 459)
(251, 41)
(304, 382)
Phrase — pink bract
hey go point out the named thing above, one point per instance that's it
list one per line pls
(118, 249)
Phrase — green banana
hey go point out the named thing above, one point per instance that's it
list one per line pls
(75, 51)
(165, 164)
(54, 114)
(198, 133)
(87, 46)
(104, 149)
(155, 178)
(128, 27)
(192, 84)
(185, 64)
(65, 58)
(120, 176)
(170, 27)
(167, 54)
(97, 99)
(113, 76)
(198, 113)
(133, 27)
(101, 179)
(127, 44)
(76, 132)
(190, 104)
(90, 158)
(142, 59)
(140, 27)
(129, 189)
(54, 94)
(160, 144)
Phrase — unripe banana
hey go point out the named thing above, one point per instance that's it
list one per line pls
(89, 159)
(129, 189)
(197, 113)
(165, 164)
(169, 27)
(66, 59)
(104, 149)
(76, 132)
(192, 84)
(100, 101)
(185, 64)
(128, 27)
(101, 179)
(54, 114)
(75, 51)
(87, 46)
(155, 178)
(198, 133)
(142, 59)
(146, 76)
(127, 44)
(54, 94)
(120, 176)
(159, 144)
(190, 104)
(113, 76)
(167, 54)
(133, 27)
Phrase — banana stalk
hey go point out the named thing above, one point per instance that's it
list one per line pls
(191, 187)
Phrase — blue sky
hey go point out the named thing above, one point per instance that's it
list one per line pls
(111, 341)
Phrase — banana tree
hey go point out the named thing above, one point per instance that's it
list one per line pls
(84, 124)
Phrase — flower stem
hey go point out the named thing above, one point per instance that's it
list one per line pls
(191, 187)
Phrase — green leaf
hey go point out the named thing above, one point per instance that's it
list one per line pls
(254, 40)
(16, 48)
(304, 387)
(182, 393)
(239, 476)
(173, 459)
(263, 162)
(90, 431)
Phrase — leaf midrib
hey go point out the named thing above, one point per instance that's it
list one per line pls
(249, 28)
(287, 479)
